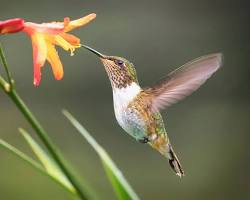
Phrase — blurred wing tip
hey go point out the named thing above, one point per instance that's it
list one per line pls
(215, 60)
(218, 57)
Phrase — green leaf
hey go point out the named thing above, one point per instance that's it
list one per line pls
(21, 155)
(121, 186)
(30, 161)
(50, 166)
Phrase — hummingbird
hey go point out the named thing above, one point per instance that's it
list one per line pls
(137, 109)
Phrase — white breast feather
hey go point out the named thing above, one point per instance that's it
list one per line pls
(122, 97)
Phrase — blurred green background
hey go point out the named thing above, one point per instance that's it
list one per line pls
(209, 130)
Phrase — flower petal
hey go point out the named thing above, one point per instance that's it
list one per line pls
(11, 25)
(73, 40)
(55, 61)
(48, 28)
(39, 55)
(79, 22)
(60, 41)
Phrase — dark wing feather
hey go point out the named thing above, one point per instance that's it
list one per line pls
(183, 81)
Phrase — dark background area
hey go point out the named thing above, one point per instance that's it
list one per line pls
(209, 130)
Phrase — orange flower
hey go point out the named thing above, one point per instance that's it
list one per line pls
(45, 36)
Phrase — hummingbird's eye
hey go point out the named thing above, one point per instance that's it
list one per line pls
(119, 62)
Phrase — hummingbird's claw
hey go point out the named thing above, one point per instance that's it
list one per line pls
(144, 140)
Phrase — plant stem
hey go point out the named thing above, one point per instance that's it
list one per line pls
(46, 141)
(11, 92)
(5, 65)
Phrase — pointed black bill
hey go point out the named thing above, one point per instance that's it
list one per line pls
(93, 51)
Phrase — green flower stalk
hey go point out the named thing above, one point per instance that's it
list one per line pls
(9, 89)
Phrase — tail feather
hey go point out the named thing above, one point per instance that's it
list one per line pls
(174, 162)
(163, 145)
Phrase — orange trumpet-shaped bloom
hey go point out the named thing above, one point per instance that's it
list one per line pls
(45, 36)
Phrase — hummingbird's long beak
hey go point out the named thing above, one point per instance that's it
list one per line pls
(93, 51)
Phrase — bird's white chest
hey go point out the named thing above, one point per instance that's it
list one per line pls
(122, 97)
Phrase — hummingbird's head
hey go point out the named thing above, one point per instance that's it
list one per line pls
(120, 71)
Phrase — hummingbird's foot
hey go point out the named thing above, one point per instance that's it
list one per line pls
(144, 140)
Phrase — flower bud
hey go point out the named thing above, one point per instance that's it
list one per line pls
(11, 26)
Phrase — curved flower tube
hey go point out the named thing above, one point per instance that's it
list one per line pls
(11, 25)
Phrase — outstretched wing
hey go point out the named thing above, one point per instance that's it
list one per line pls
(183, 81)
